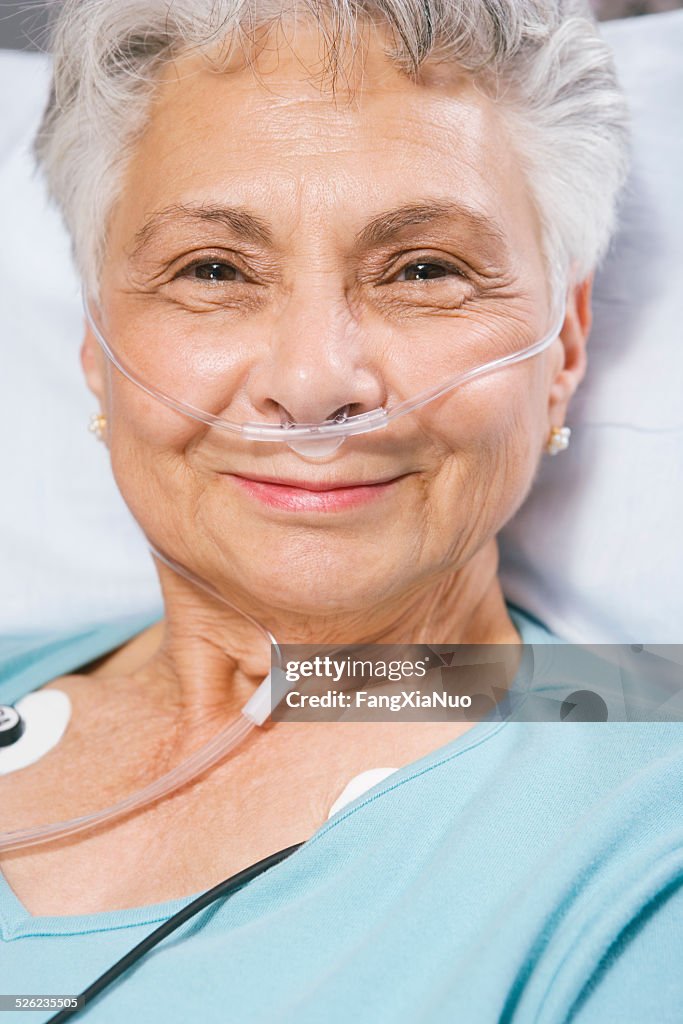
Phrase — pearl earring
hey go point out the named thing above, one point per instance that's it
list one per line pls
(97, 425)
(558, 440)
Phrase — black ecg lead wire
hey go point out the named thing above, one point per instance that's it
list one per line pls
(223, 890)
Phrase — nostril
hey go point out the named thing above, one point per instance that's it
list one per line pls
(341, 414)
(286, 418)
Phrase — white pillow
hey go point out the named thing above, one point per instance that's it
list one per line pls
(596, 550)
(71, 554)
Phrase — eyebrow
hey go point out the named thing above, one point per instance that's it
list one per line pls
(387, 226)
(236, 219)
(378, 231)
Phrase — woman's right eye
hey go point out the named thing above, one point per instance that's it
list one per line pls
(212, 271)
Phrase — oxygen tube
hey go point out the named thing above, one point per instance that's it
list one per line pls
(318, 440)
(254, 713)
(309, 441)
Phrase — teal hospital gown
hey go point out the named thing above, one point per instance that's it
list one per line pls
(525, 873)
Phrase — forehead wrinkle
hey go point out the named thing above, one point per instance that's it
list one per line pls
(237, 219)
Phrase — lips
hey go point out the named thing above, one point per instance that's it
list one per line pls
(314, 485)
(312, 495)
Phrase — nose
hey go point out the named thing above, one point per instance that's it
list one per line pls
(320, 365)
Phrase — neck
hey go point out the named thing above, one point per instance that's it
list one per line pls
(214, 657)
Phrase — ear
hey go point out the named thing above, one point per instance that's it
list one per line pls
(92, 363)
(574, 335)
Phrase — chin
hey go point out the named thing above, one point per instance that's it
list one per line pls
(306, 573)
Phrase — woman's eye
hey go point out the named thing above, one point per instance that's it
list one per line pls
(212, 271)
(427, 270)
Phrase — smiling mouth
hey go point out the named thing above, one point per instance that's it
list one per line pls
(316, 485)
(313, 495)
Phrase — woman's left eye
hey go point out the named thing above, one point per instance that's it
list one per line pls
(211, 270)
(427, 270)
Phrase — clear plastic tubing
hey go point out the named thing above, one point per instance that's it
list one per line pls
(255, 712)
(310, 440)
(317, 440)
(208, 756)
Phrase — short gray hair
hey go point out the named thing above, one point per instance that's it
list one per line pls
(542, 59)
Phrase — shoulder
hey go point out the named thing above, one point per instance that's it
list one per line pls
(32, 659)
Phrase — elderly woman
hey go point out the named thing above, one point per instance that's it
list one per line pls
(291, 214)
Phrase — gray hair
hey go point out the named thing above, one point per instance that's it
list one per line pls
(542, 59)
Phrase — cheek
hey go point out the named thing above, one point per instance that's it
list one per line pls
(139, 419)
(490, 435)
(148, 446)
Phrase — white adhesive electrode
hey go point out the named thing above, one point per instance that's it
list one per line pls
(358, 785)
(45, 715)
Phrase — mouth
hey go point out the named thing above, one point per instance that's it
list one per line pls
(313, 495)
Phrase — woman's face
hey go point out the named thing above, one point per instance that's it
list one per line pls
(280, 252)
